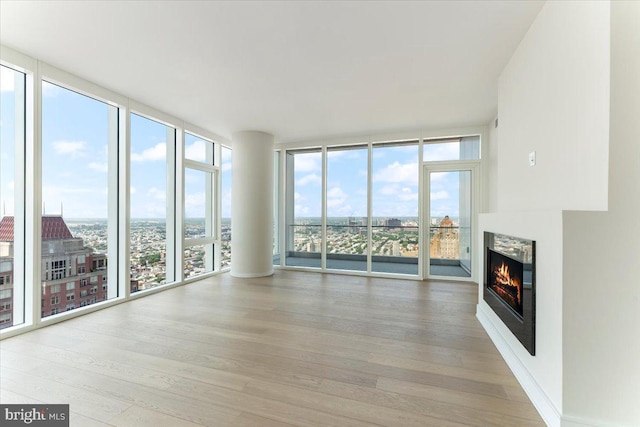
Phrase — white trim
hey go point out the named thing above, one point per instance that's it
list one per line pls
(205, 134)
(402, 135)
(124, 205)
(538, 397)
(323, 209)
(151, 113)
(74, 83)
(252, 275)
(573, 421)
(451, 166)
(16, 60)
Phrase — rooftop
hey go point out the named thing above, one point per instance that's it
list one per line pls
(53, 227)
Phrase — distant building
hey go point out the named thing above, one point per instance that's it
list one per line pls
(393, 223)
(72, 275)
(395, 248)
(445, 242)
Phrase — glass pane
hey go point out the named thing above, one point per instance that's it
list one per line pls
(198, 149)
(225, 255)
(347, 235)
(197, 193)
(12, 119)
(395, 209)
(198, 260)
(465, 148)
(276, 208)
(450, 223)
(149, 204)
(304, 217)
(76, 131)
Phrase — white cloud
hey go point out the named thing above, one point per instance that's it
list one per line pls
(196, 151)
(132, 190)
(7, 80)
(72, 148)
(301, 210)
(297, 196)
(311, 178)
(155, 153)
(406, 197)
(389, 190)
(439, 195)
(307, 162)
(194, 202)
(226, 167)
(336, 192)
(396, 172)
(98, 167)
(442, 151)
(157, 194)
(11, 185)
(336, 198)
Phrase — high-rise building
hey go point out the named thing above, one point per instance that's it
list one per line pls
(393, 223)
(73, 275)
(445, 243)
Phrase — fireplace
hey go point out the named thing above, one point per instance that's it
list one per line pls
(509, 287)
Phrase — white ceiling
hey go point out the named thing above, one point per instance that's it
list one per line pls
(299, 70)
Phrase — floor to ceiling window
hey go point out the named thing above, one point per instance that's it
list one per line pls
(199, 222)
(94, 179)
(276, 208)
(347, 219)
(78, 135)
(304, 208)
(152, 157)
(395, 221)
(450, 199)
(12, 142)
(225, 201)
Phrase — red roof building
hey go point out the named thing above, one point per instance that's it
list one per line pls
(53, 227)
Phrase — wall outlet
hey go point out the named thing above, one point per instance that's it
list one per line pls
(532, 158)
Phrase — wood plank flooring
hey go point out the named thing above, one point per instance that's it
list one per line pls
(295, 349)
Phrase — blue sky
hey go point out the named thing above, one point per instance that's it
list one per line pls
(75, 136)
(394, 180)
(8, 89)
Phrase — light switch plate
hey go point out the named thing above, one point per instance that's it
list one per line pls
(532, 158)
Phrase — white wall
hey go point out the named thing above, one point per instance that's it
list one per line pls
(602, 260)
(554, 99)
(490, 164)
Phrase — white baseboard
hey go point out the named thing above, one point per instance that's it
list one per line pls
(251, 275)
(572, 421)
(539, 398)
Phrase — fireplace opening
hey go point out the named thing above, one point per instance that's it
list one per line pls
(505, 279)
(510, 284)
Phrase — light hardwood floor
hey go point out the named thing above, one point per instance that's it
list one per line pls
(298, 348)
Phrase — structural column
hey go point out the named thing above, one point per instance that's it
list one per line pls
(252, 204)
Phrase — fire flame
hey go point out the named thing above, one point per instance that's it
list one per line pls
(504, 278)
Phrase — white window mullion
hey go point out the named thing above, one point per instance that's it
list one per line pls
(33, 199)
(369, 207)
(323, 212)
(175, 204)
(124, 207)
